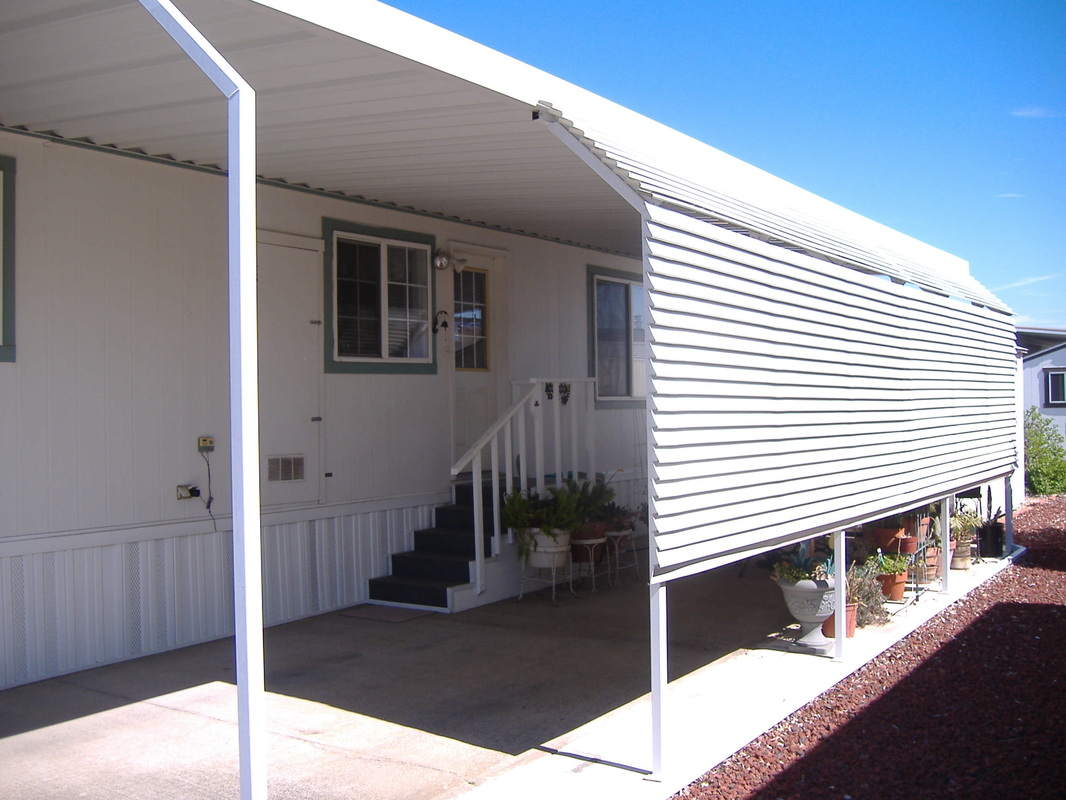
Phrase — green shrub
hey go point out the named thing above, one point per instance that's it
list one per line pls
(1045, 455)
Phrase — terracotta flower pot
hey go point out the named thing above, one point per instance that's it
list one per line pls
(960, 559)
(893, 586)
(888, 538)
(852, 614)
(585, 553)
(907, 544)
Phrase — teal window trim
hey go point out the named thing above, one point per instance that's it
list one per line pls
(592, 274)
(330, 229)
(7, 259)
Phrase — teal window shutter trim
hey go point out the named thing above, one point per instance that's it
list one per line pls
(334, 229)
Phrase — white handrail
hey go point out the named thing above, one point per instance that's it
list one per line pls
(490, 434)
(512, 424)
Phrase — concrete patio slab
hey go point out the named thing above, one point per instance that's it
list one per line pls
(509, 700)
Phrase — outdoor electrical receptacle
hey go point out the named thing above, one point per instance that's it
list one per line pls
(187, 491)
(205, 444)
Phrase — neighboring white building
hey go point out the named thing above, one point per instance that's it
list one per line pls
(1044, 372)
(806, 370)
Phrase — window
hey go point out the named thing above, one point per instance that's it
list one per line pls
(618, 352)
(471, 320)
(379, 299)
(7, 258)
(1055, 387)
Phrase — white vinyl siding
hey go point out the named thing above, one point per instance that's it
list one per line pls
(793, 396)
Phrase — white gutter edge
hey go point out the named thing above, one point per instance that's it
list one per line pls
(244, 391)
(609, 176)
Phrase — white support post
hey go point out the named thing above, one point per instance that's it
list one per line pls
(590, 429)
(557, 419)
(659, 676)
(479, 525)
(575, 433)
(244, 392)
(538, 446)
(523, 456)
(508, 455)
(840, 561)
(945, 542)
(494, 452)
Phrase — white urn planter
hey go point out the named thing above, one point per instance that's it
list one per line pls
(810, 602)
(549, 552)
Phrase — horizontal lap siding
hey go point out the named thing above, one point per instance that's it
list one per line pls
(792, 396)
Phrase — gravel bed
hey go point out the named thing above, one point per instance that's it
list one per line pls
(970, 705)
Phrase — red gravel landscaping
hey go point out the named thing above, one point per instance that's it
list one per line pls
(970, 705)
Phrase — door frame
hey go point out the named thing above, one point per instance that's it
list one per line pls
(498, 272)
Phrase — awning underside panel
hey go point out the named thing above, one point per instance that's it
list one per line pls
(793, 396)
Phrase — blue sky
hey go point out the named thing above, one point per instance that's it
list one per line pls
(943, 119)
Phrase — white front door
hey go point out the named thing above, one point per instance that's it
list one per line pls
(290, 366)
(477, 343)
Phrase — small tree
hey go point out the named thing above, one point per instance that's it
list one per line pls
(1045, 455)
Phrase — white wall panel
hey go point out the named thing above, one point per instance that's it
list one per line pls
(794, 396)
(63, 611)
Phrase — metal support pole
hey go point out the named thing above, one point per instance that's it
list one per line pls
(840, 561)
(659, 675)
(244, 391)
(945, 542)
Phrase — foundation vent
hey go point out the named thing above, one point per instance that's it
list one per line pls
(285, 468)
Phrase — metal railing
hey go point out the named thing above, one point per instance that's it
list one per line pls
(570, 440)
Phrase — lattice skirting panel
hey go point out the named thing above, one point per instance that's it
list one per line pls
(66, 610)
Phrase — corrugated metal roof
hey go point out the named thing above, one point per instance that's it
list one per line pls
(364, 100)
(774, 211)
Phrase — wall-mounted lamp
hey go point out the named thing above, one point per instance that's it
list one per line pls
(442, 259)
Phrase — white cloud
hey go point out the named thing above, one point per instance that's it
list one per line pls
(1026, 282)
(1010, 194)
(1035, 112)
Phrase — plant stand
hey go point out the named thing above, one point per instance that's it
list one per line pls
(583, 551)
(552, 559)
(620, 544)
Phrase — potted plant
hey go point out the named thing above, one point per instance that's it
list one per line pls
(929, 569)
(892, 572)
(894, 534)
(542, 527)
(864, 588)
(807, 584)
(963, 523)
(590, 501)
(864, 598)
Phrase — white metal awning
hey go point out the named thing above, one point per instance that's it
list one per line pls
(366, 101)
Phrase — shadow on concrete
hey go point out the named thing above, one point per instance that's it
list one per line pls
(507, 677)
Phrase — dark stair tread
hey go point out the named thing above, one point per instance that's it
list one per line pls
(446, 539)
(412, 591)
(423, 563)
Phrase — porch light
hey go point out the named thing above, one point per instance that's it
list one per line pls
(442, 259)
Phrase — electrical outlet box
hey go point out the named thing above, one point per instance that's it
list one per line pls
(205, 444)
(187, 491)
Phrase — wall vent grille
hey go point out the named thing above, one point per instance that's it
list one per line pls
(285, 468)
